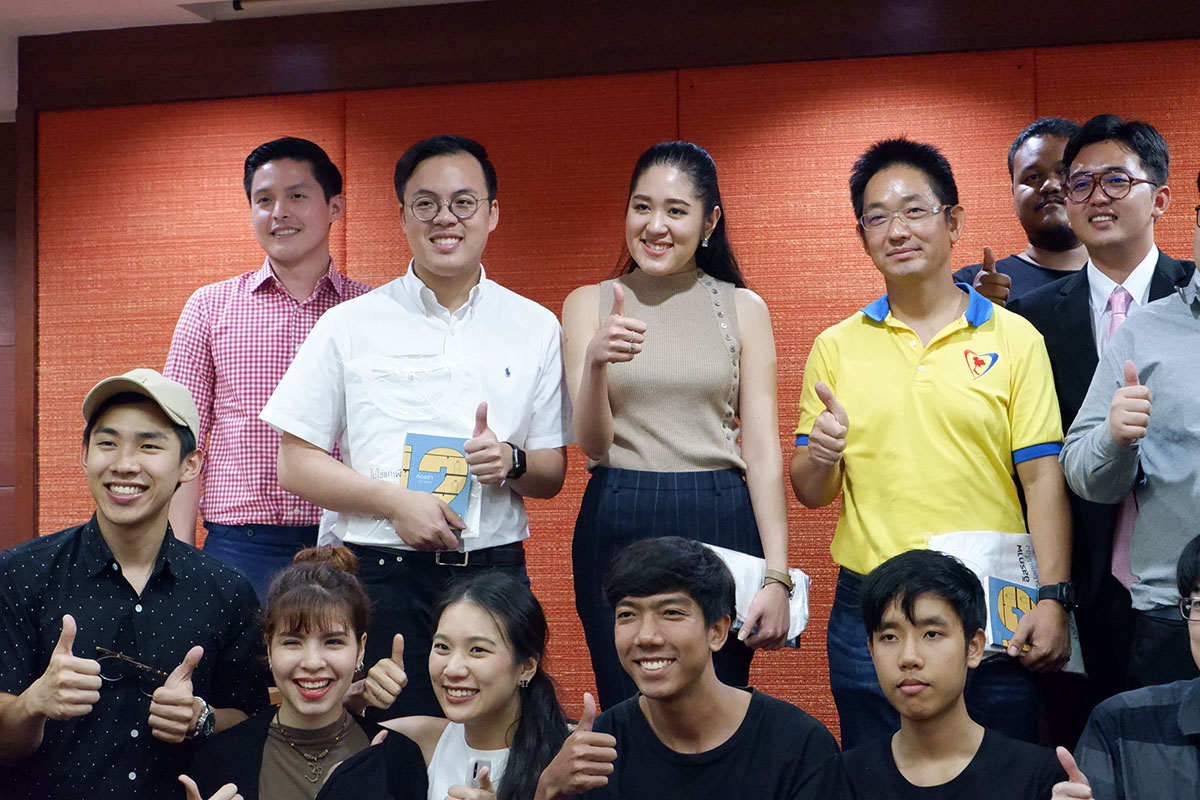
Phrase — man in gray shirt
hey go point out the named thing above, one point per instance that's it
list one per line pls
(1139, 429)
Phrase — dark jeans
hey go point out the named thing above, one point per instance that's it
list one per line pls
(622, 506)
(402, 595)
(258, 551)
(1000, 693)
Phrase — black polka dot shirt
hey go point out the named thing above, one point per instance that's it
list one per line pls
(189, 599)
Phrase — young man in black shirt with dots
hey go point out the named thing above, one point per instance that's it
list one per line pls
(118, 643)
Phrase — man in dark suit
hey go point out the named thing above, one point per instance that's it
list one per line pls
(1116, 190)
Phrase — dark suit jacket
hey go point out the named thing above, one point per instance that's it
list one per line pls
(1060, 311)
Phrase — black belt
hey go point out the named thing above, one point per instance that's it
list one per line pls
(504, 555)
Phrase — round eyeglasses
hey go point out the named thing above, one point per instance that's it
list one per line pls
(116, 667)
(877, 219)
(1114, 184)
(426, 207)
(1189, 608)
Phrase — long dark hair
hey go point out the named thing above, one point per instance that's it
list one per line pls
(694, 161)
(541, 727)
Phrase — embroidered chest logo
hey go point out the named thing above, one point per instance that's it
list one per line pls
(979, 363)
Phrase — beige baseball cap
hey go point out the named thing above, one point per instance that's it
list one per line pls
(173, 398)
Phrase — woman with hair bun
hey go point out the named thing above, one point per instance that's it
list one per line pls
(671, 370)
(503, 721)
(314, 624)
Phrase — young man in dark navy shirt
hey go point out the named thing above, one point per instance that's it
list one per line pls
(118, 643)
(926, 613)
(685, 734)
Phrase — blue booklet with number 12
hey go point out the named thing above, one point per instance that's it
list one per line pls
(438, 465)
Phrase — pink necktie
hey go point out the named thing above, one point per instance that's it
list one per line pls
(1118, 307)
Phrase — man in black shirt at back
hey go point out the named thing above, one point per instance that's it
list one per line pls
(686, 735)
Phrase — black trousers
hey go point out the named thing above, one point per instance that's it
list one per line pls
(403, 594)
(624, 506)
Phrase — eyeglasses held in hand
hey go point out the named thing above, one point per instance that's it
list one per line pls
(116, 667)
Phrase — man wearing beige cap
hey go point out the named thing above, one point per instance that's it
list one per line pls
(118, 642)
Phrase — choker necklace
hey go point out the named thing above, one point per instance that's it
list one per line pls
(315, 768)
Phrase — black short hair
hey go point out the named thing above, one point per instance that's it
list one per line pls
(324, 170)
(672, 564)
(443, 145)
(918, 155)
(1061, 127)
(904, 578)
(1141, 138)
(187, 439)
(1187, 572)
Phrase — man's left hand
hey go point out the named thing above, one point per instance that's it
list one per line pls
(1044, 629)
(488, 458)
(174, 709)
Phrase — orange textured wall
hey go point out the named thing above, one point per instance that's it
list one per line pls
(138, 206)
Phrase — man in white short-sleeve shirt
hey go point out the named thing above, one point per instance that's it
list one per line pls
(439, 351)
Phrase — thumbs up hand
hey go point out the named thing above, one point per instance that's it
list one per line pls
(584, 762)
(1076, 786)
(488, 458)
(1129, 412)
(387, 678)
(827, 440)
(227, 792)
(993, 285)
(70, 686)
(483, 789)
(174, 710)
(619, 338)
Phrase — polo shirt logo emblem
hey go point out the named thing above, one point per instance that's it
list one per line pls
(979, 363)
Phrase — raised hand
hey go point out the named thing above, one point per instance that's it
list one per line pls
(827, 440)
(1076, 786)
(173, 708)
(584, 762)
(488, 458)
(1129, 412)
(70, 686)
(226, 792)
(619, 337)
(483, 788)
(995, 286)
(387, 677)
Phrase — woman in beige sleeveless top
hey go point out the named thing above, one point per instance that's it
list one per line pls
(671, 369)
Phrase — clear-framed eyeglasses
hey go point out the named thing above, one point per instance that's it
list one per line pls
(1114, 183)
(1189, 608)
(116, 667)
(426, 207)
(909, 215)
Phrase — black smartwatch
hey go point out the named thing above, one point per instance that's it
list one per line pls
(1059, 592)
(518, 467)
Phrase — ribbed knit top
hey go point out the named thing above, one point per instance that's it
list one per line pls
(675, 404)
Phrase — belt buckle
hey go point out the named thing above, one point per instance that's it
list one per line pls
(466, 558)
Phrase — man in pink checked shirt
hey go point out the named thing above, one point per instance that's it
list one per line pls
(234, 341)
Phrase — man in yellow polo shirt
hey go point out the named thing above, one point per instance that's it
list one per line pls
(923, 410)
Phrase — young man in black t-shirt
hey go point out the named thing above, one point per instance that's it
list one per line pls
(687, 735)
(926, 614)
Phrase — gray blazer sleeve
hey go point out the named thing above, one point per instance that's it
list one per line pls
(1096, 467)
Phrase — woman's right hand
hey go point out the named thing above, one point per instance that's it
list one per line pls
(619, 337)
(387, 678)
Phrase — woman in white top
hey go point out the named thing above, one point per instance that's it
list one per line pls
(503, 720)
